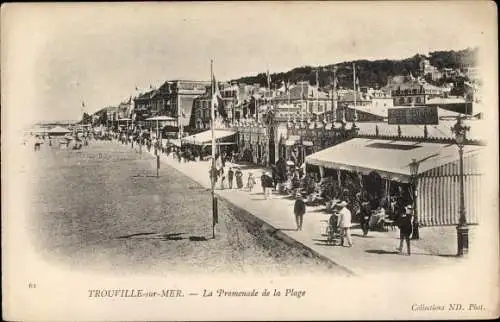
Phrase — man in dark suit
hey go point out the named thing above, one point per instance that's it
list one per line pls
(405, 224)
(299, 210)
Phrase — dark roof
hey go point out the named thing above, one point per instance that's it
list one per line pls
(147, 95)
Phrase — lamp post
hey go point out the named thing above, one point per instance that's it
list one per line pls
(414, 172)
(460, 132)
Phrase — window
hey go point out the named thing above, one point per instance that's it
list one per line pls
(419, 100)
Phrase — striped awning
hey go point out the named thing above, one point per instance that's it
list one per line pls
(389, 158)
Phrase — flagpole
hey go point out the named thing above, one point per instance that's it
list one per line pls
(213, 175)
(354, 83)
(301, 96)
(181, 113)
(317, 94)
(288, 90)
(334, 94)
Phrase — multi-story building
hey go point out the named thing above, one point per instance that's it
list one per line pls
(451, 73)
(427, 70)
(310, 99)
(472, 73)
(236, 98)
(143, 106)
(124, 109)
(174, 98)
(414, 91)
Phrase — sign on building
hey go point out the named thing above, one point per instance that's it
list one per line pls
(413, 115)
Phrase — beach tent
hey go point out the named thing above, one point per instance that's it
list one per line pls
(438, 173)
(58, 130)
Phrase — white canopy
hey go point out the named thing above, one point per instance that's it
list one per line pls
(161, 118)
(59, 129)
(174, 142)
(206, 137)
(389, 158)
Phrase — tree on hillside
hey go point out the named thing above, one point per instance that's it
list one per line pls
(370, 73)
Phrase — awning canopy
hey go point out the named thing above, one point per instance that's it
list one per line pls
(205, 138)
(389, 158)
(161, 118)
(174, 142)
(59, 129)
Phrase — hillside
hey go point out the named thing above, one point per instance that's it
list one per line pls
(370, 73)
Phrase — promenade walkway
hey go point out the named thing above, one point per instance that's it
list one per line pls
(373, 254)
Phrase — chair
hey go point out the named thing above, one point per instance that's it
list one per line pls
(388, 222)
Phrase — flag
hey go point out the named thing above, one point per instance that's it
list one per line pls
(218, 101)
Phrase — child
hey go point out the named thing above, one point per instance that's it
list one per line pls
(299, 210)
(250, 182)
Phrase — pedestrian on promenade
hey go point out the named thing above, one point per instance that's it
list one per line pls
(239, 178)
(250, 182)
(264, 182)
(405, 228)
(345, 223)
(274, 176)
(230, 175)
(299, 209)
(37, 144)
(222, 178)
(365, 214)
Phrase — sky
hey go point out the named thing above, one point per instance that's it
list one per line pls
(54, 57)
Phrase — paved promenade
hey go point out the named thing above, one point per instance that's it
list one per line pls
(373, 254)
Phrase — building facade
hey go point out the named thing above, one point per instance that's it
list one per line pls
(415, 91)
(174, 98)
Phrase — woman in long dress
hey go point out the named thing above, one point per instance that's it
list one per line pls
(239, 178)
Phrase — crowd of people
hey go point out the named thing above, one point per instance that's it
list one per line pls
(347, 201)
(75, 140)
